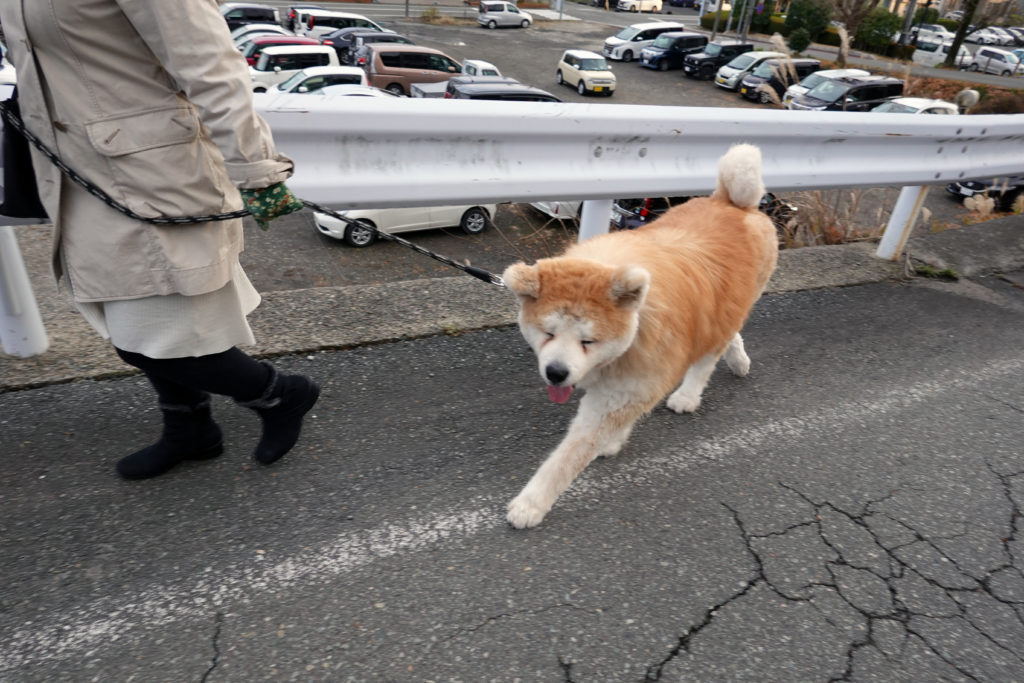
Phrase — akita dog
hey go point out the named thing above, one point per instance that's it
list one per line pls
(629, 315)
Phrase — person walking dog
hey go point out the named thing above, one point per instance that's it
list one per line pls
(152, 103)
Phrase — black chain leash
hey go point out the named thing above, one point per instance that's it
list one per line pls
(15, 121)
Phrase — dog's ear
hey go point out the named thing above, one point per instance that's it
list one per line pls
(629, 286)
(522, 280)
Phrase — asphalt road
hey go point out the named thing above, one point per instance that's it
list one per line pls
(849, 511)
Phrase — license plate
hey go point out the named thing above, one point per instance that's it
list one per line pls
(966, 192)
(598, 88)
(743, 91)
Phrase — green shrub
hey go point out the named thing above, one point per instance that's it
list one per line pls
(708, 20)
(926, 15)
(812, 15)
(876, 31)
(799, 40)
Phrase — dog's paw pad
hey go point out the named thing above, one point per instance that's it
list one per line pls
(523, 514)
(683, 403)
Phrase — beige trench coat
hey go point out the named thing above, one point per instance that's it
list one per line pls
(150, 100)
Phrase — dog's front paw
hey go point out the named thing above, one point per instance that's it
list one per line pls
(739, 365)
(523, 514)
(683, 403)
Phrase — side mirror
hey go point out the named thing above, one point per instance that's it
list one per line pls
(303, 88)
(277, 69)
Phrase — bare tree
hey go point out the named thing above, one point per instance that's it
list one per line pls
(852, 12)
(970, 7)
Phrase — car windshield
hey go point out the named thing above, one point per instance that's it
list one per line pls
(297, 78)
(664, 41)
(713, 50)
(627, 33)
(742, 62)
(812, 80)
(828, 91)
(593, 64)
(895, 108)
(766, 69)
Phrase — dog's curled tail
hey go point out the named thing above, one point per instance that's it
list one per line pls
(739, 177)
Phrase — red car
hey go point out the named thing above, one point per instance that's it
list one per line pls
(252, 48)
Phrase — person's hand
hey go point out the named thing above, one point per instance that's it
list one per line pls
(267, 204)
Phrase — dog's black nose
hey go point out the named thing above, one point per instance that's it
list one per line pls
(556, 373)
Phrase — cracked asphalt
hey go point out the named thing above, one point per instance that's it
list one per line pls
(851, 510)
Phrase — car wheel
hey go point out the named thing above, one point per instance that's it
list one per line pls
(396, 88)
(763, 97)
(360, 234)
(345, 58)
(558, 78)
(474, 221)
(973, 67)
(1006, 72)
(581, 88)
(524, 23)
(492, 24)
(707, 72)
(627, 56)
(635, 9)
(663, 65)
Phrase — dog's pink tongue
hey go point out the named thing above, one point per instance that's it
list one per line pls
(559, 394)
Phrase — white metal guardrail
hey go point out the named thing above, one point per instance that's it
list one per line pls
(359, 152)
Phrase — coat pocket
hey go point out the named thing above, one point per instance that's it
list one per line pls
(160, 163)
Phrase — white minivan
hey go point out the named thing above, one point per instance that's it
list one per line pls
(638, 6)
(627, 43)
(318, 23)
(933, 53)
(279, 63)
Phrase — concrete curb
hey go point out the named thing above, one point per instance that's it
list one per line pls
(309, 320)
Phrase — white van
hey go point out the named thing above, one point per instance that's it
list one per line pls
(638, 6)
(317, 23)
(933, 53)
(279, 63)
(627, 43)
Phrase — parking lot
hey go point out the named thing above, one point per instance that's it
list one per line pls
(294, 255)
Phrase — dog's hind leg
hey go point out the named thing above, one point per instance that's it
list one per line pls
(686, 399)
(736, 357)
(592, 432)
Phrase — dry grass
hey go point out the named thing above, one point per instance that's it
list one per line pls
(836, 216)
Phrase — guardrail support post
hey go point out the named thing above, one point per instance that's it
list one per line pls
(21, 327)
(595, 217)
(901, 222)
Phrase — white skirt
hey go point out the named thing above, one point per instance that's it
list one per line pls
(178, 326)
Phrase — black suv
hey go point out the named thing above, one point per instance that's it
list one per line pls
(669, 49)
(705, 64)
(239, 14)
(849, 94)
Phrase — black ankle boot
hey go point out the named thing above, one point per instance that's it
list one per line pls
(282, 406)
(189, 434)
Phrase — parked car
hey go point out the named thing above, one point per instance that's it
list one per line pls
(638, 6)
(478, 67)
(317, 77)
(361, 50)
(246, 31)
(670, 49)
(684, 3)
(916, 105)
(506, 92)
(353, 91)
(240, 13)
(931, 53)
(768, 82)
(396, 67)
(731, 74)
(1017, 32)
(849, 94)
(816, 78)
(254, 47)
(630, 41)
(319, 23)
(992, 60)
(291, 20)
(989, 36)
(281, 62)
(495, 13)
(587, 71)
(456, 81)
(472, 219)
(931, 32)
(1005, 191)
(629, 214)
(705, 64)
(560, 210)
